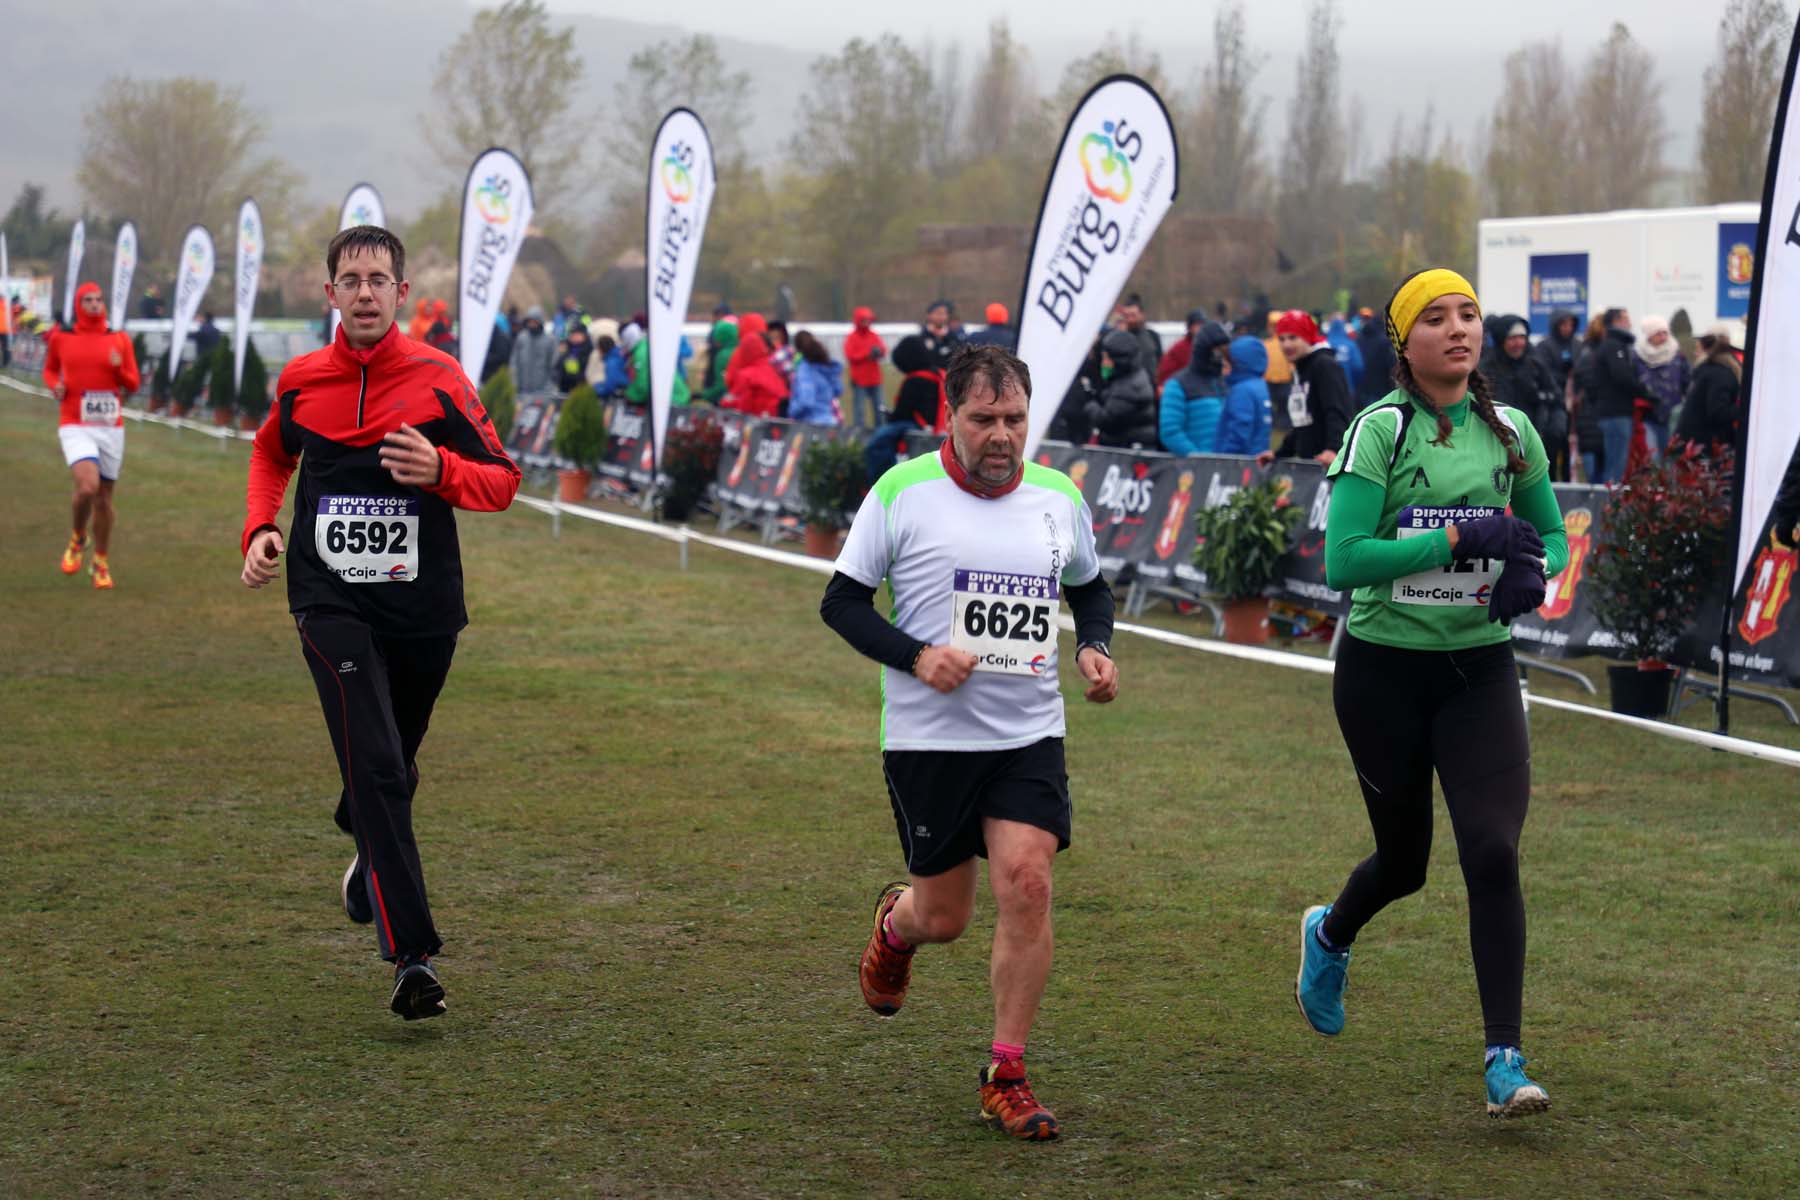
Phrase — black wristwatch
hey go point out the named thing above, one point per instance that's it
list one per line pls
(1100, 646)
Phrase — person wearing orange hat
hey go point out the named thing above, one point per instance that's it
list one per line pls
(1318, 405)
(996, 332)
(90, 369)
(422, 319)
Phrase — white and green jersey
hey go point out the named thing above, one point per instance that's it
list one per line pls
(986, 575)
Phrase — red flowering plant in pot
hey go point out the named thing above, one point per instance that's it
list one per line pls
(1662, 543)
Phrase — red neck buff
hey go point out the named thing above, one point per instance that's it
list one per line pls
(969, 483)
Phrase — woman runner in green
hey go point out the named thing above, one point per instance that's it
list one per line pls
(1419, 526)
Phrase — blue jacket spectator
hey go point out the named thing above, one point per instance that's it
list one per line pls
(1244, 426)
(1349, 354)
(614, 377)
(1194, 397)
(818, 381)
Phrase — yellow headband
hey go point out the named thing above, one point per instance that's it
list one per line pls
(1418, 292)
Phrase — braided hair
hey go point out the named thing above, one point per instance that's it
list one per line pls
(1479, 388)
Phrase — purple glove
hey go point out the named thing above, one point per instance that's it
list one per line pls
(1496, 536)
(1519, 590)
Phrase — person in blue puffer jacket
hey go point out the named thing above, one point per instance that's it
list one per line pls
(1349, 354)
(818, 380)
(1194, 396)
(1244, 425)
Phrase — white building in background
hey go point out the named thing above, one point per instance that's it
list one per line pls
(1652, 261)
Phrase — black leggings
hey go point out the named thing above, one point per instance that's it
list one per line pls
(377, 694)
(1404, 712)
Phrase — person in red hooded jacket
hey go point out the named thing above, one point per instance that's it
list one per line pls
(751, 328)
(863, 350)
(90, 370)
(758, 389)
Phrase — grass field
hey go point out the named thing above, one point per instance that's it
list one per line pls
(653, 822)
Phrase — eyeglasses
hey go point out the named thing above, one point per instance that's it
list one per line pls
(379, 285)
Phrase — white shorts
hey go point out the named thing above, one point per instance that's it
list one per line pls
(103, 444)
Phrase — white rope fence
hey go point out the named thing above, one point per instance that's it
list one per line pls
(684, 536)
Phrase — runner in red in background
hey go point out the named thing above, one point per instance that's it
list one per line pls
(389, 439)
(90, 370)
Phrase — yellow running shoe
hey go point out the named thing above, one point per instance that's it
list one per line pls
(102, 573)
(73, 554)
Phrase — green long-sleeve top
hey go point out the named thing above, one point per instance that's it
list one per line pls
(1394, 494)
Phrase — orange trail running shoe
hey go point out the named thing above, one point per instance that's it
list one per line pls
(73, 554)
(102, 573)
(885, 970)
(1008, 1105)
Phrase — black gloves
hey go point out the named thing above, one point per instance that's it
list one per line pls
(1496, 537)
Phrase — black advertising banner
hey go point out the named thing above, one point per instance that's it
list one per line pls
(1144, 505)
(1565, 625)
(534, 430)
(1765, 626)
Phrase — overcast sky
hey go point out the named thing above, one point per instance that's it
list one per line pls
(1396, 54)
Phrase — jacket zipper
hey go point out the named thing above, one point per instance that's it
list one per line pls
(362, 390)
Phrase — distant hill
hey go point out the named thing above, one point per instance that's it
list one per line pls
(342, 87)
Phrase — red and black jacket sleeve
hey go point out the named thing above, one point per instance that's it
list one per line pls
(476, 473)
(273, 455)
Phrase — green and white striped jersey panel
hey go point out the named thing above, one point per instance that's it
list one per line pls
(916, 528)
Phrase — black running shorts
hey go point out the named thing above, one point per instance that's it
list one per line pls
(940, 797)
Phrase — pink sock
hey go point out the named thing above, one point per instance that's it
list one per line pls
(890, 937)
(1004, 1053)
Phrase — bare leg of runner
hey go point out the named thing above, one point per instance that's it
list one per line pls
(87, 493)
(937, 907)
(103, 515)
(1019, 858)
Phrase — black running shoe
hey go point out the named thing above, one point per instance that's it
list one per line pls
(355, 891)
(417, 992)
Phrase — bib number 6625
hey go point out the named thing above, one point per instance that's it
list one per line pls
(1015, 620)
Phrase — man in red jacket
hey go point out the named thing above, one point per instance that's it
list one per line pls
(863, 350)
(389, 440)
(90, 370)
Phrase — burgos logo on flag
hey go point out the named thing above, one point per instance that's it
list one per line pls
(678, 174)
(493, 200)
(196, 255)
(1108, 172)
(247, 233)
(361, 215)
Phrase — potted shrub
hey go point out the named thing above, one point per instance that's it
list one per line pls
(190, 380)
(1662, 542)
(499, 397)
(221, 389)
(253, 393)
(580, 440)
(833, 480)
(690, 461)
(1241, 544)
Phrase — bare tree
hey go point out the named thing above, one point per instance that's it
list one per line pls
(863, 126)
(1221, 143)
(1130, 57)
(1743, 85)
(511, 80)
(1310, 207)
(1528, 165)
(1620, 129)
(1424, 202)
(168, 153)
(1002, 98)
(688, 72)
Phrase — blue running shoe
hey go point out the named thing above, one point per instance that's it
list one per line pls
(1320, 985)
(1510, 1093)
